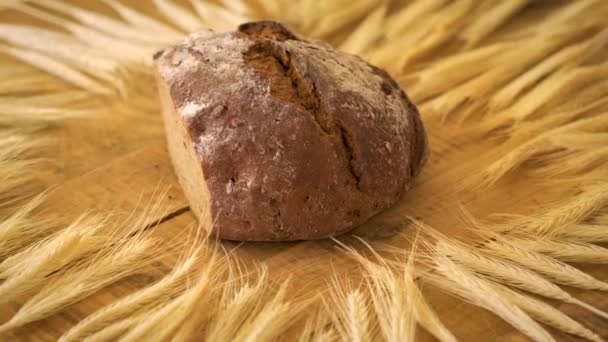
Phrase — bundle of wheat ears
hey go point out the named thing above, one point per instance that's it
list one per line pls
(503, 236)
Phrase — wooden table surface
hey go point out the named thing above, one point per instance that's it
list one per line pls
(107, 162)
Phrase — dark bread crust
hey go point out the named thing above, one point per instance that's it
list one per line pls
(295, 140)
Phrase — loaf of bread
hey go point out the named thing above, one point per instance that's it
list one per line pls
(277, 138)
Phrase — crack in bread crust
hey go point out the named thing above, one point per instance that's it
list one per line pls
(287, 82)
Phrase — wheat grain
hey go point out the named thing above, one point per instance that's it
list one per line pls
(576, 164)
(356, 316)
(62, 46)
(237, 6)
(480, 292)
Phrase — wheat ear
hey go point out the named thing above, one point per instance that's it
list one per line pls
(275, 317)
(382, 272)
(165, 322)
(350, 314)
(590, 233)
(556, 270)
(178, 15)
(59, 69)
(315, 330)
(114, 331)
(508, 273)
(105, 267)
(235, 309)
(59, 251)
(20, 229)
(566, 250)
(472, 288)
(547, 314)
(564, 214)
(163, 290)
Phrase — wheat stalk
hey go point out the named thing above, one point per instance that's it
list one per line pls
(273, 318)
(366, 33)
(566, 250)
(315, 330)
(144, 22)
(20, 229)
(447, 73)
(590, 233)
(341, 17)
(491, 20)
(234, 310)
(557, 271)
(115, 330)
(122, 257)
(382, 281)
(399, 23)
(356, 308)
(218, 18)
(508, 273)
(56, 68)
(566, 213)
(106, 24)
(178, 16)
(126, 52)
(350, 314)
(537, 309)
(49, 257)
(164, 290)
(547, 314)
(554, 88)
(568, 56)
(551, 141)
(480, 292)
